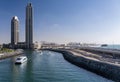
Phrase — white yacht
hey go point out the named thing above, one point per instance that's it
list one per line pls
(21, 60)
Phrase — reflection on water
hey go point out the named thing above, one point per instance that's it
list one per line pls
(45, 66)
(18, 70)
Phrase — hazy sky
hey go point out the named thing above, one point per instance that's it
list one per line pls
(61, 21)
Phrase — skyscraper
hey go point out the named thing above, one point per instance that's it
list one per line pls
(14, 30)
(29, 26)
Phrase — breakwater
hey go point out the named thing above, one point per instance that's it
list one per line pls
(107, 70)
(11, 54)
(112, 52)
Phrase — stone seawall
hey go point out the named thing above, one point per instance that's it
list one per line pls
(104, 69)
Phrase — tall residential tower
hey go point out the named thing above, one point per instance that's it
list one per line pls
(29, 26)
(14, 30)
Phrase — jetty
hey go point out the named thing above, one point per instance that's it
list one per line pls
(105, 62)
(101, 50)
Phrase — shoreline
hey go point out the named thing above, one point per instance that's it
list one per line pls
(104, 69)
(10, 54)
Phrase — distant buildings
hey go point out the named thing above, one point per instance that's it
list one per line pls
(37, 45)
(78, 45)
(71, 45)
(45, 45)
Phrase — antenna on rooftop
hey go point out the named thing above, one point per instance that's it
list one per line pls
(29, 1)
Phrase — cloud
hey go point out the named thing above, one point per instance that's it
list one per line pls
(55, 25)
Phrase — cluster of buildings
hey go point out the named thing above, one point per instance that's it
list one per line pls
(70, 45)
(28, 44)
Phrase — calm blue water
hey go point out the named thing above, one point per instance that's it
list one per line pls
(112, 47)
(45, 67)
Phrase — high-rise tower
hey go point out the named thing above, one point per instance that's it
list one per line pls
(14, 30)
(29, 26)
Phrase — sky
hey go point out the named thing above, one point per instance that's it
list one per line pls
(63, 21)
